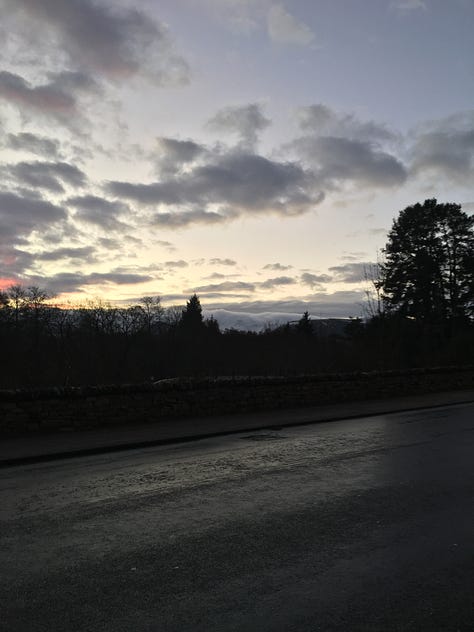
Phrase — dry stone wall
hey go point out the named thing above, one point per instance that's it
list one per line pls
(53, 409)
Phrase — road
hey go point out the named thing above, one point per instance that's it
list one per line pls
(353, 525)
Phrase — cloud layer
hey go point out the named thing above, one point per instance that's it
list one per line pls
(104, 39)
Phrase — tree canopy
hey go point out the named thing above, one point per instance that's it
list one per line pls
(191, 318)
(428, 273)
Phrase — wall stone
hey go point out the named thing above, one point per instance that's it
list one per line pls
(75, 408)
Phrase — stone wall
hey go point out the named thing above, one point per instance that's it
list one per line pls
(52, 409)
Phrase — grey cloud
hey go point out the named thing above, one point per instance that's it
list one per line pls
(222, 262)
(352, 272)
(108, 243)
(57, 98)
(14, 262)
(219, 275)
(236, 182)
(44, 97)
(314, 280)
(48, 175)
(342, 159)
(107, 39)
(341, 148)
(276, 267)
(446, 150)
(223, 295)
(324, 121)
(34, 144)
(187, 218)
(99, 211)
(226, 286)
(85, 253)
(165, 244)
(75, 82)
(173, 154)
(216, 275)
(276, 281)
(76, 281)
(176, 264)
(284, 28)
(246, 121)
(20, 215)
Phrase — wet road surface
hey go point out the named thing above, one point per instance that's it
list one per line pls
(354, 525)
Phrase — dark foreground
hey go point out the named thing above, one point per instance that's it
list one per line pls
(353, 525)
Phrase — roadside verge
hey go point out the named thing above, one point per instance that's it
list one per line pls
(59, 445)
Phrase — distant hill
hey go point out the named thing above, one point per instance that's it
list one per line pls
(247, 321)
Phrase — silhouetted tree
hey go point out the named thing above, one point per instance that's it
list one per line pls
(428, 274)
(191, 317)
(153, 313)
(304, 326)
(212, 326)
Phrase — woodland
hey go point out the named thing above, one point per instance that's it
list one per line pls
(419, 312)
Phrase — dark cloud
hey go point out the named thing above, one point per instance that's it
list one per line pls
(57, 99)
(322, 120)
(76, 281)
(277, 267)
(236, 182)
(99, 211)
(13, 261)
(85, 253)
(446, 148)
(173, 154)
(32, 143)
(222, 262)
(246, 121)
(105, 38)
(352, 272)
(346, 160)
(269, 284)
(21, 215)
(340, 149)
(47, 175)
(314, 280)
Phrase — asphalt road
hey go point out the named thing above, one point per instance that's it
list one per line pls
(353, 525)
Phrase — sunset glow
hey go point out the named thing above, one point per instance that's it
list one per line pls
(252, 151)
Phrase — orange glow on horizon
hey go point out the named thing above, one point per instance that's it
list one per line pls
(5, 283)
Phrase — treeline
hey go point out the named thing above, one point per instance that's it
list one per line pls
(97, 343)
(420, 314)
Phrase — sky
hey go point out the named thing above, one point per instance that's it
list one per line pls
(255, 152)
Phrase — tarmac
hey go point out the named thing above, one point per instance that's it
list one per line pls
(37, 448)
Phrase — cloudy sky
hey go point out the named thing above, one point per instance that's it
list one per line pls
(252, 151)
